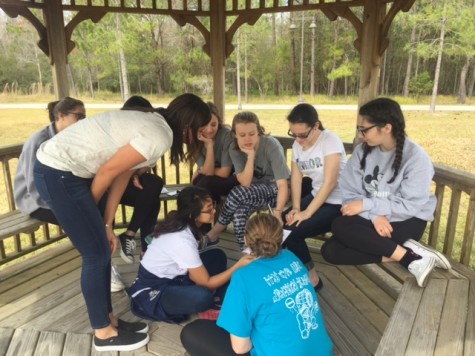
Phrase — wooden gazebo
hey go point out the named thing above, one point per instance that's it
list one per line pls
(55, 37)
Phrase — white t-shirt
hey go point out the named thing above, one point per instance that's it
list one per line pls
(311, 162)
(172, 254)
(83, 147)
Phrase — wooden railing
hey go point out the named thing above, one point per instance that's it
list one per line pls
(451, 232)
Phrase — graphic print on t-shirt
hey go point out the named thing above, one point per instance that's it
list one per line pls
(290, 287)
(372, 182)
(309, 164)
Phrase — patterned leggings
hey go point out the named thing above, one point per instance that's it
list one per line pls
(242, 202)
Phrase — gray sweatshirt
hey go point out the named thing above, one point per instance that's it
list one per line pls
(408, 196)
(26, 196)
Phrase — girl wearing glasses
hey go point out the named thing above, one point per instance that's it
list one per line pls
(76, 167)
(386, 197)
(214, 162)
(262, 172)
(174, 279)
(319, 154)
(62, 114)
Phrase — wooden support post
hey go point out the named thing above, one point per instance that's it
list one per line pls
(217, 51)
(53, 13)
(370, 49)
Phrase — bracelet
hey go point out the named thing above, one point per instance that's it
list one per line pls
(107, 225)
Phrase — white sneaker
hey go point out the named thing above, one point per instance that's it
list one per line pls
(440, 260)
(421, 269)
(116, 282)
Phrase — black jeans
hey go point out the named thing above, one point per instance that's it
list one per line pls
(356, 242)
(205, 338)
(146, 204)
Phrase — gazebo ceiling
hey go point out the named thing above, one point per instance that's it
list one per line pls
(371, 25)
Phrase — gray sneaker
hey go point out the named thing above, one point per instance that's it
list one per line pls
(440, 260)
(421, 269)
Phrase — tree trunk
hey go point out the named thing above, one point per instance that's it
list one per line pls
(331, 87)
(407, 79)
(125, 87)
(439, 60)
(471, 83)
(238, 71)
(463, 81)
(246, 89)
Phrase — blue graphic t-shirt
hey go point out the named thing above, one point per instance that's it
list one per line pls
(273, 302)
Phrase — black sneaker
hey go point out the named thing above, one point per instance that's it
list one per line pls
(127, 248)
(124, 341)
(135, 327)
(205, 243)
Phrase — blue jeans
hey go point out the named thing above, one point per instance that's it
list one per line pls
(188, 298)
(70, 199)
(319, 223)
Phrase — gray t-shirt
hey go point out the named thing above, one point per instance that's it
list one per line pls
(88, 144)
(269, 165)
(222, 145)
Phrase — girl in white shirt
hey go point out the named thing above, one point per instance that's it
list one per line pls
(174, 279)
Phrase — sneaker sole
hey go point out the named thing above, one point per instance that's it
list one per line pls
(422, 282)
(115, 289)
(443, 261)
(126, 258)
(131, 347)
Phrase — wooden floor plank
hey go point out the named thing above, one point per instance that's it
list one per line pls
(382, 279)
(343, 338)
(5, 339)
(363, 328)
(32, 276)
(23, 343)
(398, 329)
(167, 341)
(453, 320)
(381, 299)
(469, 346)
(50, 343)
(42, 306)
(77, 344)
(426, 326)
(42, 295)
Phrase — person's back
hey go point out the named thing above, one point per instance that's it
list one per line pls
(284, 316)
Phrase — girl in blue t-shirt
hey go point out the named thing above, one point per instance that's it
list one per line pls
(270, 306)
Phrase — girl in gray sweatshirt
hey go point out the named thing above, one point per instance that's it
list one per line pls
(387, 200)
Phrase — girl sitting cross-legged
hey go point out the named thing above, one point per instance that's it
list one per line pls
(261, 169)
(386, 197)
(174, 279)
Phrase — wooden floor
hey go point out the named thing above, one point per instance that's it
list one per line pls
(373, 309)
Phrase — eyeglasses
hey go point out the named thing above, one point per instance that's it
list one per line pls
(302, 136)
(79, 115)
(364, 130)
(210, 211)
